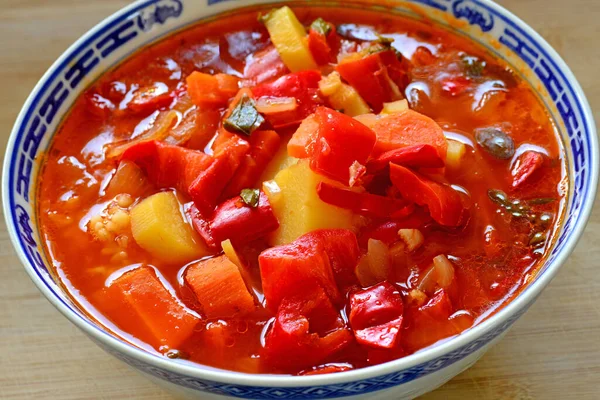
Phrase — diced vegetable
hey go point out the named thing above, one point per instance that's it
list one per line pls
(219, 288)
(408, 128)
(415, 156)
(387, 231)
(376, 315)
(209, 184)
(289, 37)
(250, 197)
(159, 227)
(413, 238)
(340, 141)
(378, 78)
(145, 303)
(263, 147)
(375, 266)
(129, 179)
(439, 275)
(211, 90)
(275, 105)
(302, 142)
(525, 166)
(168, 166)
(495, 142)
(280, 161)
(319, 48)
(263, 66)
(395, 107)
(298, 207)
(369, 120)
(244, 117)
(149, 98)
(296, 269)
(444, 203)
(231, 254)
(234, 220)
(307, 330)
(302, 86)
(362, 202)
(342, 96)
(454, 155)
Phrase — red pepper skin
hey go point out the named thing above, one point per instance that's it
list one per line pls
(236, 221)
(374, 77)
(387, 231)
(319, 48)
(263, 146)
(295, 269)
(376, 315)
(145, 100)
(526, 165)
(208, 186)
(303, 86)
(166, 165)
(417, 156)
(307, 330)
(342, 249)
(439, 306)
(364, 203)
(341, 140)
(444, 203)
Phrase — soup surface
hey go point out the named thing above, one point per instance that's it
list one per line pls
(306, 192)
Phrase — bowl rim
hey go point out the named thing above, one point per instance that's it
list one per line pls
(521, 301)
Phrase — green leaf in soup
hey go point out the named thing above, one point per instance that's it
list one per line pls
(250, 197)
(245, 118)
(321, 26)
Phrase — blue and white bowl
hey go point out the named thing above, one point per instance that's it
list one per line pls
(147, 21)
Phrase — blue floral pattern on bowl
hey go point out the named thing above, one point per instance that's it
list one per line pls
(34, 131)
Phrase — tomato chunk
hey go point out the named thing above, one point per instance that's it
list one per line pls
(307, 330)
(525, 167)
(408, 128)
(416, 156)
(340, 142)
(376, 315)
(236, 221)
(444, 203)
(167, 165)
(302, 86)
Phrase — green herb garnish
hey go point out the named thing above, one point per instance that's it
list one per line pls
(473, 66)
(245, 118)
(321, 26)
(250, 197)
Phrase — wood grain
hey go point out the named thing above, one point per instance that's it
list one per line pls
(553, 352)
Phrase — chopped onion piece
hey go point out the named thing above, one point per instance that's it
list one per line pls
(379, 259)
(444, 270)
(412, 237)
(273, 105)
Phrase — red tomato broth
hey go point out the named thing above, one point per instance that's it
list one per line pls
(76, 173)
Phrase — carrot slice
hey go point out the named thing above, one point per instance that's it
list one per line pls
(304, 135)
(219, 288)
(148, 307)
(408, 128)
(211, 90)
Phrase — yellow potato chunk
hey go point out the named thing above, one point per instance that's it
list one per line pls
(289, 37)
(395, 107)
(298, 207)
(159, 227)
(342, 96)
(456, 152)
(280, 161)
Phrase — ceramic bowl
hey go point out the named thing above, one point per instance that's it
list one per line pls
(147, 21)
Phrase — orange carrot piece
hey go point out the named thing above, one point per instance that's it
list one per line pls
(219, 288)
(301, 141)
(149, 308)
(211, 90)
(263, 146)
(408, 128)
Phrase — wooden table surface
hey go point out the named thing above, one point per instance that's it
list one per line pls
(553, 351)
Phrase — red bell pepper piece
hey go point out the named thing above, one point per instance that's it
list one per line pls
(319, 48)
(439, 306)
(376, 315)
(526, 165)
(387, 231)
(408, 128)
(263, 146)
(208, 186)
(296, 268)
(378, 78)
(342, 249)
(303, 86)
(444, 203)
(363, 203)
(417, 156)
(264, 65)
(341, 141)
(236, 221)
(167, 165)
(307, 330)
